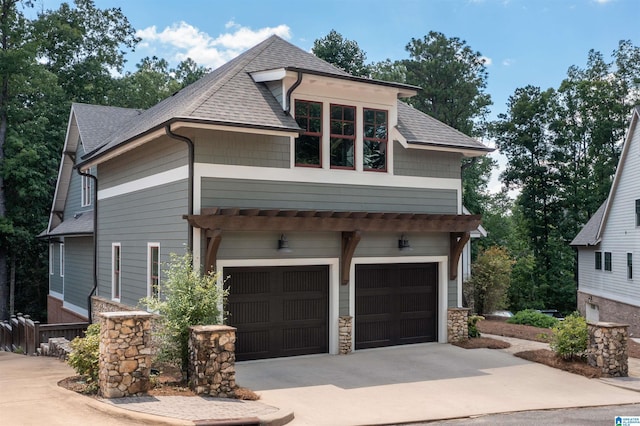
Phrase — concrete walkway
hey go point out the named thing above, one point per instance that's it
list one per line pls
(392, 385)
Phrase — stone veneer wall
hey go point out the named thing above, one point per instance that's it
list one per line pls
(212, 360)
(607, 349)
(125, 353)
(345, 327)
(457, 325)
(100, 304)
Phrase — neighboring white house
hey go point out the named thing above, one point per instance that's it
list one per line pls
(608, 288)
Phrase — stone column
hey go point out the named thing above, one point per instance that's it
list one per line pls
(607, 348)
(212, 360)
(344, 334)
(457, 325)
(125, 353)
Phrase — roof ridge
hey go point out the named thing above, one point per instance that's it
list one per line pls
(237, 64)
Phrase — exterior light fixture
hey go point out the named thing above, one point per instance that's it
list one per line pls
(403, 244)
(283, 244)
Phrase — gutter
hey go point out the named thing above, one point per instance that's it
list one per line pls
(191, 161)
(95, 240)
(290, 92)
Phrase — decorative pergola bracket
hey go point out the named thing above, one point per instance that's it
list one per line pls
(457, 241)
(350, 240)
(214, 237)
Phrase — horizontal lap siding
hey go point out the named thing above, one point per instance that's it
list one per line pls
(78, 274)
(423, 163)
(242, 149)
(135, 219)
(158, 156)
(246, 193)
(55, 280)
(620, 235)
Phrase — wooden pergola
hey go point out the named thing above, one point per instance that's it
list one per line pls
(215, 221)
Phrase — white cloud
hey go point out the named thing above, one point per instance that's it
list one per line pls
(487, 60)
(507, 62)
(182, 40)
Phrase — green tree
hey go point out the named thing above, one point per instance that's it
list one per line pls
(83, 46)
(453, 78)
(490, 281)
(341, 52)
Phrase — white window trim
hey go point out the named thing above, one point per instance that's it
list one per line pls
(149, 267)
(51, 258)
(86, 186)
(62, 260)
(113, 266)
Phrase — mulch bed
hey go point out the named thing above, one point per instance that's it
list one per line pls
(482, 343)
(547, 357)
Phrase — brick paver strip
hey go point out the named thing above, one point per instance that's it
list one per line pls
(192, 407)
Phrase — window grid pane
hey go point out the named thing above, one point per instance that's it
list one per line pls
(607, 261)
(598, 260)
(375, 140)
(630, 266)
(116, 272)
(342, 141)
(307, 146)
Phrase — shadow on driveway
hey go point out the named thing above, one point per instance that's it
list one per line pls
(372, 367)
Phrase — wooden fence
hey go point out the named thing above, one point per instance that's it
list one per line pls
(21, 334)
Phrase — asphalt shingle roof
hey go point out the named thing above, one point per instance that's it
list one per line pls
(229, 95)
(588, 236)
(96, 123)
(420, 128)
(79, 224)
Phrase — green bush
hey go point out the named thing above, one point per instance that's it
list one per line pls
(472, 326)
(85, 354)
(570, 337)
(534, 318)
(188, 298)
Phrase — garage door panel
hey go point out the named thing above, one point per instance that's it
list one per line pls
(395, 304)
(290, 319)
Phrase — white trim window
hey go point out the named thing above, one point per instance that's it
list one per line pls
(51, 258)
(87, 191)
(62, 260)
(116, 271)
(153, 270)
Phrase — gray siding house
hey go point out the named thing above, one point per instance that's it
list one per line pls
(608, 287)
(323, 197)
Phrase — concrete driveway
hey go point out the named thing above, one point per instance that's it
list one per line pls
(417, 383)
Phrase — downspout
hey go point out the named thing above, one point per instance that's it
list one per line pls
(295, 85)
(191, 160)
(95, 240)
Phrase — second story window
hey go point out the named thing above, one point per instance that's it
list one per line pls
(87, 191)
(343, 136)
(598, 260)
(308, 145)
(375, 140)
(637, 212)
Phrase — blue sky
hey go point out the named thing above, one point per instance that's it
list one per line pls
(526, 41)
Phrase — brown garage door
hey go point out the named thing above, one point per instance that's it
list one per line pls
(396, 304)
(279, 311)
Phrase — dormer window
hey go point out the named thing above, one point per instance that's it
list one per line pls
(343, 136)
(375, 140)
(308, 145)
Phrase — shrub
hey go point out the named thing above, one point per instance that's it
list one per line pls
(85, 354)
(472, 326)
(570, 337)
(490, 280)
(534, 318)
(189, 298)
